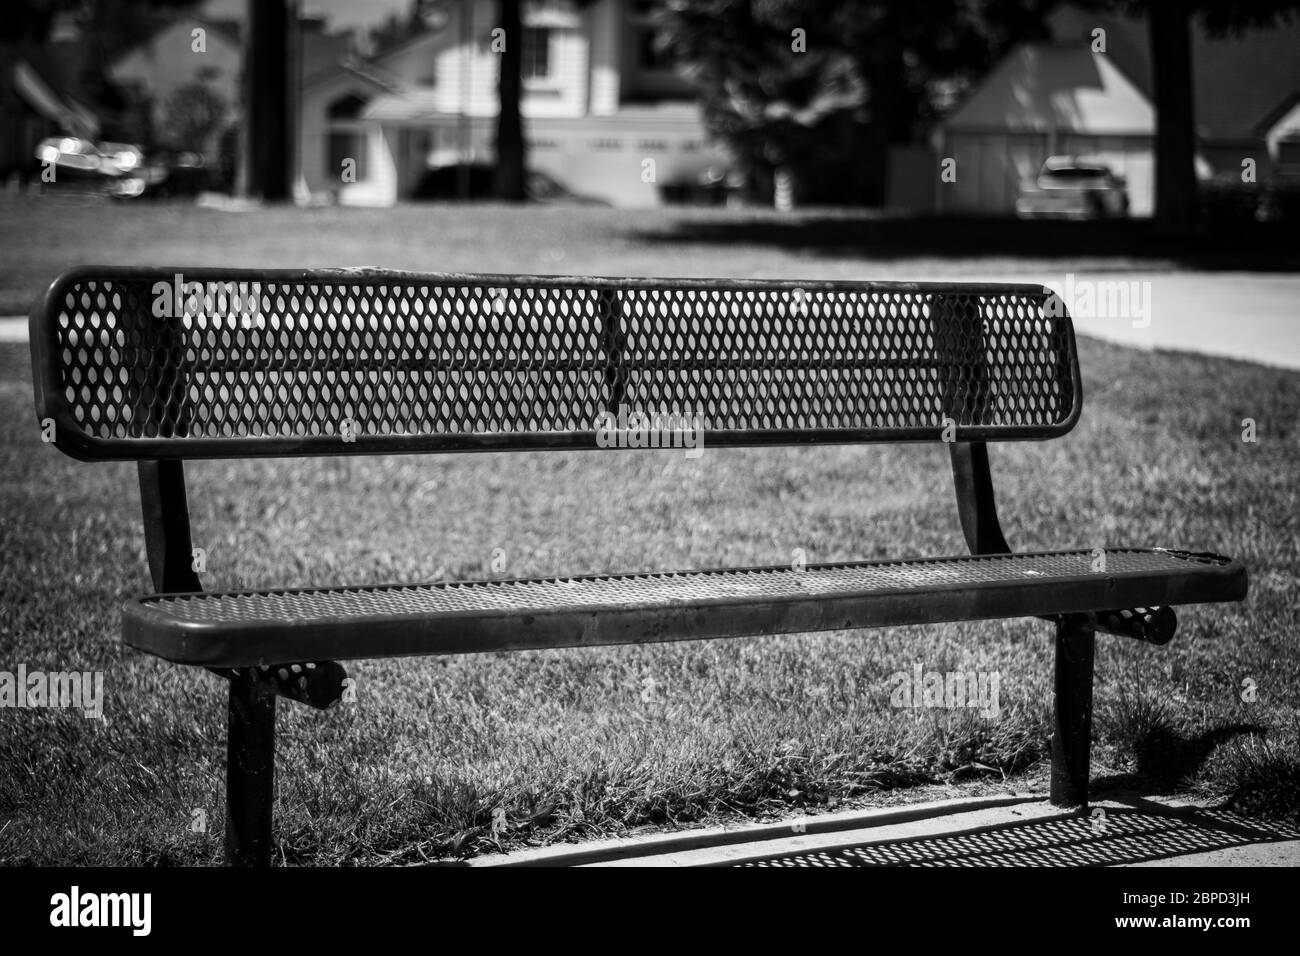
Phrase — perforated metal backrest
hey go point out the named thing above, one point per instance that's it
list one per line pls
(194, 363)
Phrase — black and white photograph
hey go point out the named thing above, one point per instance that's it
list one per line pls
(441, 435)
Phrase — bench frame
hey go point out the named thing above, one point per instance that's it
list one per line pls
(250, 758)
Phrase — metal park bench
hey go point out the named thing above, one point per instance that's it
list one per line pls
(161, 365)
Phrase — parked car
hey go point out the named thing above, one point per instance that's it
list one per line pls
(713, 186)
(163, 174)
(119, 159)
(75, 163)
(80, 163)
(1071, 188)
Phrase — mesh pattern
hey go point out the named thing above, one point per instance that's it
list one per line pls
(306, 356)
(695, 587)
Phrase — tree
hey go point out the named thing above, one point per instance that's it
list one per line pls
(268, 149)
(108, 28)
(876, 72)
(512, 151)
(784, 109)
(192, 116)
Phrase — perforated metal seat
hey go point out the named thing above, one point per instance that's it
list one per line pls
(281, 626)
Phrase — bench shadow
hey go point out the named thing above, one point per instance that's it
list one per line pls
(1164, 758)
(1144, 831)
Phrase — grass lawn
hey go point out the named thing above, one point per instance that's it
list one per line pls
(41, 236)
(586, 742)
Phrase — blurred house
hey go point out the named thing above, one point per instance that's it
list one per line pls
(1057, 98)
(598, 104)
(1245, 87)
(190, 51)
(196, 51)
(1046, 100)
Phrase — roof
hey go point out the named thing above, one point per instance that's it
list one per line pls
(1285, 110)
(1040, 87)
(351, 69)
(1240, 83)
(412, 105)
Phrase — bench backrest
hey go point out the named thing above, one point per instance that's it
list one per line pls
(205, 363)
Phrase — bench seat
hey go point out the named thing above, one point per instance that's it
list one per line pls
(246, 628)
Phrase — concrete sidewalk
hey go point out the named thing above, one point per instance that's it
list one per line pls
(13, 328)
(989, 831)
(1242, 315)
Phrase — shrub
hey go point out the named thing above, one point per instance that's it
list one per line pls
(1227, 201)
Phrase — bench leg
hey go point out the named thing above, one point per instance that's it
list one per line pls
(250, 773)
(1072, 733)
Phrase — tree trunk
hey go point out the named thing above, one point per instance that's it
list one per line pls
(883, 69)
(510, 126)
(268, 148)
(1171, 71)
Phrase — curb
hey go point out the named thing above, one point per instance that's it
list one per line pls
(13, 328)
(639, 849)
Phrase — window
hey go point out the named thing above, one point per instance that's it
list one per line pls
(1288, 152)
(536, 53)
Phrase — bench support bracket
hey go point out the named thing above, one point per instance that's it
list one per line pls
(1072, 717)
(250, 772)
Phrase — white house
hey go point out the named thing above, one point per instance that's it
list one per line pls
(1042, 100)
(602, 113)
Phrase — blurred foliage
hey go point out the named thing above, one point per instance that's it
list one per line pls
(823, 87)
(107, 27)
(1281, 201)
(1220, 17)
(191, 116)
(1227, 201)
